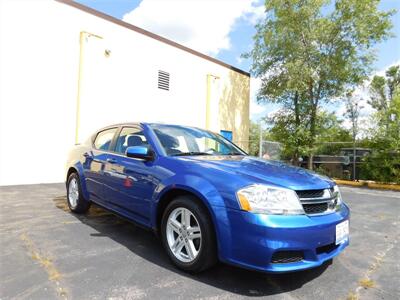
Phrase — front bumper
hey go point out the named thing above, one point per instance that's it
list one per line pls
(250, 240)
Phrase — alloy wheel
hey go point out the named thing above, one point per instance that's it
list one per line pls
(73, 192)
(183, 234)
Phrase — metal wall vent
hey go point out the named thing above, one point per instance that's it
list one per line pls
(163, 80)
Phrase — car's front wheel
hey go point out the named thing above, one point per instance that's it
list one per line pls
(188, 235)
(76, 202)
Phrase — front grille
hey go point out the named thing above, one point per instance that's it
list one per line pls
(327, 248)
(285, 257)
(310, 193)
(316, 201)
(316, 208)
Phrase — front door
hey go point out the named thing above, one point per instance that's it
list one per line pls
(131, 181)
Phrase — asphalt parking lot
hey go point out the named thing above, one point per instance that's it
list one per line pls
(49, 253)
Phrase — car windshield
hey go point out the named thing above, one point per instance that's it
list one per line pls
(180, 141)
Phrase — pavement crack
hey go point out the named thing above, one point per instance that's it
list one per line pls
(365, 281)
(46, 263)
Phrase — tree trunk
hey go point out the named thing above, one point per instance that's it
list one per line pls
(312, 136)
(297, 125)
(313, 117)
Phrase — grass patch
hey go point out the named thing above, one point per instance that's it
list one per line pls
(366, 283)
(352, 296)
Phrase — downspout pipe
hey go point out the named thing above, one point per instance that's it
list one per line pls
(83, 35)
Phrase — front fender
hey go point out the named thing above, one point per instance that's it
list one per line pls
(194, 184)
(210, 197)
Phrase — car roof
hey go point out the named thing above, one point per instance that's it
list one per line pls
(143, 123)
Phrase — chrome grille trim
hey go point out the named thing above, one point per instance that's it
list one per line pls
(312, 201)
(313, 205)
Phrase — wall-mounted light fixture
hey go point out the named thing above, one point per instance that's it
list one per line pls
(107, 53)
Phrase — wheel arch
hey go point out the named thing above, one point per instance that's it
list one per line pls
(77, 168)
(69, 172)
(169, 194)
(172, 193)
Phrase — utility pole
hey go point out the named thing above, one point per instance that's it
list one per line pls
(261, 141)
(354, 160)
(354, 118)
(353, 113)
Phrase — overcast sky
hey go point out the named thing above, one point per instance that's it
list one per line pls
(221, 28)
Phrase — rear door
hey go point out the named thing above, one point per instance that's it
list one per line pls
(94, 164)
(131, 182)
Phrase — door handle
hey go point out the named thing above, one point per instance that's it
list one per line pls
(111, 160)
(87, 156)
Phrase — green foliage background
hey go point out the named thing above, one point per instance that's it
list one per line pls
(311, 53)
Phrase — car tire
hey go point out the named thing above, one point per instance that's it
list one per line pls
(204, 254)
(76, 202)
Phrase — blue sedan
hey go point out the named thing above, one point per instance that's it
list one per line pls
(207, 199)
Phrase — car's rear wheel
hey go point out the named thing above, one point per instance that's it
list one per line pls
(188, 235)
(76, 202)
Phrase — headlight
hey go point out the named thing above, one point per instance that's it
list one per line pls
(338, 196)
(265, 199)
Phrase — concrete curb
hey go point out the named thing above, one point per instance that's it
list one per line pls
(369, 184)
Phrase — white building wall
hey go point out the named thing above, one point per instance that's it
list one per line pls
(39, 63)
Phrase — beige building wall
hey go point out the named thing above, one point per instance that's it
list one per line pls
(227, 105)
(234, 114)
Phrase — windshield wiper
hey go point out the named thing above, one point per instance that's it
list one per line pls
(190, 153)
(234, 153)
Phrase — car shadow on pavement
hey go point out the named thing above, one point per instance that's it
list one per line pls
(146, 245)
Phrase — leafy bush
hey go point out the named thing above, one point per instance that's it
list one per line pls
(382, 166)
(323, 171)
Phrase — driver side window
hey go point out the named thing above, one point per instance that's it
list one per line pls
(129, 137)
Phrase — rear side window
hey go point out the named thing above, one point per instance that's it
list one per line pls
(130, 136)
(104, 138)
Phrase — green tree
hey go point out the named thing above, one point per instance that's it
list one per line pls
(308, 52)
(384, 163)
(353, 109)
(254, 138)
(285, 131)
(384, 92)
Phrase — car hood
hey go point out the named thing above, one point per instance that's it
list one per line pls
(264, 171)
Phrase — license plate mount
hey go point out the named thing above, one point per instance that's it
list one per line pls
(342, 232)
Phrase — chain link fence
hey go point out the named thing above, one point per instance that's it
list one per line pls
(270, 149)
(334, 159)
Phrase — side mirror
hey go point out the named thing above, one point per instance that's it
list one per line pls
(139, 152)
